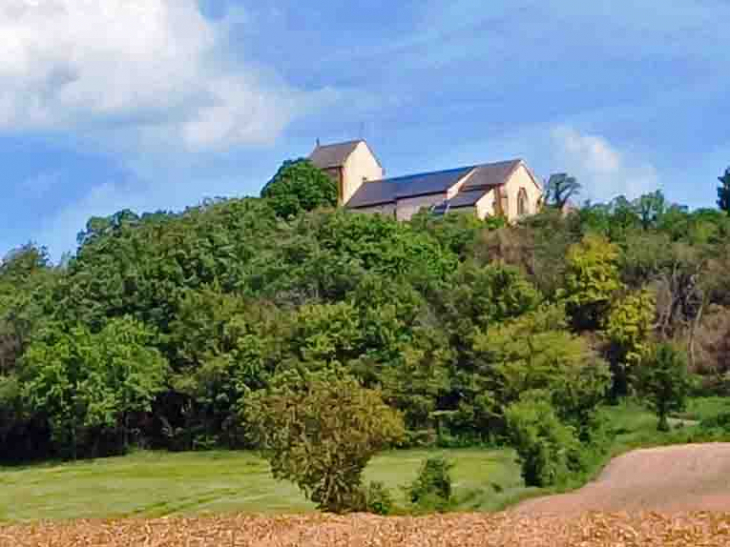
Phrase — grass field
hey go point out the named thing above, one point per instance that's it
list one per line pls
(153, 484)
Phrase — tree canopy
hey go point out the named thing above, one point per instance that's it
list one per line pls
(299, 186)
(163, 326)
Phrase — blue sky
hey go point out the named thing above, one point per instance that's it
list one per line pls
(157, 104)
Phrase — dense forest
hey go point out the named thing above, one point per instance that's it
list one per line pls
(161, 327)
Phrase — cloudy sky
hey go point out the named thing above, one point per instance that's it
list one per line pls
(157, 104)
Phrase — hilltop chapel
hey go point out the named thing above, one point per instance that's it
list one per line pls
(507, 188)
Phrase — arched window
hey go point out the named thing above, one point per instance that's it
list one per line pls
(523, 204)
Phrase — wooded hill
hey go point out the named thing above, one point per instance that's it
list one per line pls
(161, 326)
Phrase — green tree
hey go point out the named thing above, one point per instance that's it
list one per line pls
(299, 186)
(628, 328)
(548, 450)
(623, 219)
(650, 208)
(86, 384)
(27, 280)
(418, 378)
(478, 296)
(560, 188)
(723, 192)
(664, 382)
(320, 433)
(592, 278)
(432, 488)
(326, 333)
(536, 352)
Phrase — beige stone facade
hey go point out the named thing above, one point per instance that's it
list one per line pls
(506, 188)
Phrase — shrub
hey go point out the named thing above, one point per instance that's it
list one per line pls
(665, 383)
(378, 499)
(721, 422)
(320, 433)
(432, 488)
(548, 450)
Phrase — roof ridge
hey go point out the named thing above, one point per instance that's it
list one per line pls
(341, 143)
(452, 169)
(425, 173)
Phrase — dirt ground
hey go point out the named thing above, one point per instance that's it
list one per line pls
(669, 480)
(660, 497)
(651, 529)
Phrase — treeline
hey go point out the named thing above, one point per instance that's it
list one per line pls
(161, 327)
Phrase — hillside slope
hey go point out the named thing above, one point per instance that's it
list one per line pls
(670, 480)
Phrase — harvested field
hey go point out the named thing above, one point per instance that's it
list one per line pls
(651, 529)
(669, 497)
(673, 479)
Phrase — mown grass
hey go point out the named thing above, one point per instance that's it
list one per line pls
(153, 484)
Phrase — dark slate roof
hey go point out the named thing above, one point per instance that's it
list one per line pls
(490, 174)
(483, 177)
(467, 199)
(373, 193)
(388, 190)
(423, 184)
(332, 155)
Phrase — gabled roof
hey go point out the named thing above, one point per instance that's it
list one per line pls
(491, 174)
(467, 198)
(423, 184)
(481, 178)
(333, 155)
(409, 186)
(373, 193)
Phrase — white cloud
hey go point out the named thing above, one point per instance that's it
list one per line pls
(156, 68)
(604, 171)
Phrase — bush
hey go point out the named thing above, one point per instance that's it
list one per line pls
(378, 499)
(665, 382)
(320, 433)
(720, 422)
(432, 488)
(549, 450)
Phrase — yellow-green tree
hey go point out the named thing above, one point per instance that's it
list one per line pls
(591, 280)
(536, 352)
(628, 330)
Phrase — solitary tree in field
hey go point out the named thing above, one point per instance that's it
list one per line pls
(320, 434)
(560, 188)
(723, 192)
(664, 382)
